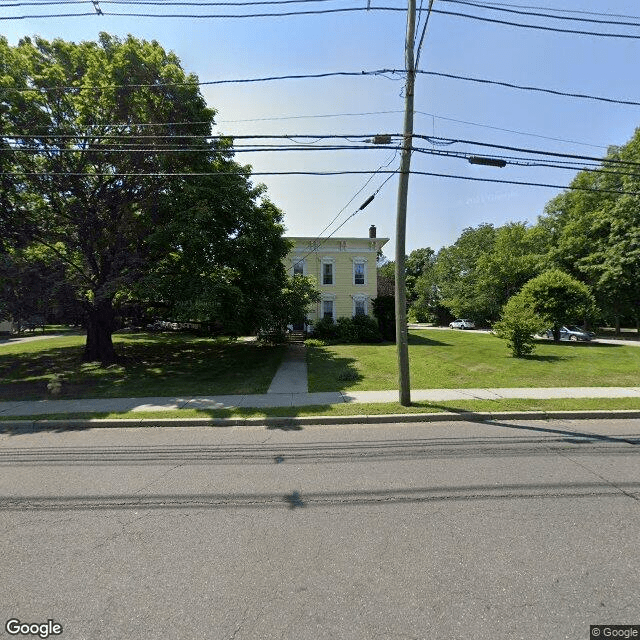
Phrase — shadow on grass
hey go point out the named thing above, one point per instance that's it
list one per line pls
(422, 340)
(328, 372)
(151, 365)
(568, 344)
(539, 358)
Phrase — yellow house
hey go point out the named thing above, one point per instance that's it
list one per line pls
(344, 269)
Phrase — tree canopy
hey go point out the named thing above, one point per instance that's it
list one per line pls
(590, 232)
(104, 147)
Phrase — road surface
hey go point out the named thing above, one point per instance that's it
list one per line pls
(437, 531)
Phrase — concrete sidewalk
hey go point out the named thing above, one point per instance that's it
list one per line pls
(121, 405)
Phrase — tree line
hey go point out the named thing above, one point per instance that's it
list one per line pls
(590, 233)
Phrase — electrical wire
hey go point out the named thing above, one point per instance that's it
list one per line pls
(535, 7)
(424, 31)
(598, 34)
(378, 72)
(511, 85)
(208, 16)
(337, 115)
(545, 15)
(554, 154)
(355, 213)
(357, 137)
(318, 173)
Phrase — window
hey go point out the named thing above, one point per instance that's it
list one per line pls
(327, 309)
(327, 273)
(360, 305)
(298, 268)
(359, 271)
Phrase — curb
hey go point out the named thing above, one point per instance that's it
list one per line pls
(28, 426)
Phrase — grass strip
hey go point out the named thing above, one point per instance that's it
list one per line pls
(363, 409)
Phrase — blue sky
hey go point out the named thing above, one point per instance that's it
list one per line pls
(438, 208)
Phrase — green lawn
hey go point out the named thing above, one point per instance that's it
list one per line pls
(153, 365)
(454, 359)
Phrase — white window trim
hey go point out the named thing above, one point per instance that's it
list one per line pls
(359, 260)
(295, 261)
(360, 298)
(332, 262)
(332, 300)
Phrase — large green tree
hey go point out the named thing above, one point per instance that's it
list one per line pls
(596, 231)
(457, 275)
(558, 299)
(101, 142)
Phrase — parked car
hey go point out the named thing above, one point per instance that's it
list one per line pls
(462, 324)
(572, 333)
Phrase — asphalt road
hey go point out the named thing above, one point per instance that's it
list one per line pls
(438, 531)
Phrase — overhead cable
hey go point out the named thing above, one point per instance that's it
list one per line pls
(377, 72)
(540, 27)
(317, 173)
(538, 8)
(538, 14)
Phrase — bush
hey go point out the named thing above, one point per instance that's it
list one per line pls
(518, 325)
(364, 329)
(360, 328)
(325, 329)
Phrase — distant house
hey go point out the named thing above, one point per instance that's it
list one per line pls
(344, 269)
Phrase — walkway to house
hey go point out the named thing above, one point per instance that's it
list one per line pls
(291, 376)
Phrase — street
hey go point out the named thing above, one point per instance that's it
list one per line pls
(512, 530)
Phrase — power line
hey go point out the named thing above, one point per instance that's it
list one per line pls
(424, 31)
(537, 14)
(598, 34)
(378, 72)
(332, 115)
(327, 11)
(511, 85)
(355, 137)
(208, 16)
(301, 76)
(161, 3)
(521, 133)
(578, 11)
(555, 154)
(318, 173)
(360, 208)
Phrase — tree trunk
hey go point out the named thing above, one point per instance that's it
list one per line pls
(100, 324)
(617, 325)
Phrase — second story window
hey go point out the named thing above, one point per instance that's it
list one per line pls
(358, 273)
(298, 268)
(327, 273)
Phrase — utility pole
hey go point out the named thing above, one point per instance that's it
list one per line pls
(402, 334)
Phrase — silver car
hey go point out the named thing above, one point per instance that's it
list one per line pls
(462, 324)
(572, 333)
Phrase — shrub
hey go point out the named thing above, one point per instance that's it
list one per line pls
(365, 329)
(518, 325)
(325, 329)
(360, 328)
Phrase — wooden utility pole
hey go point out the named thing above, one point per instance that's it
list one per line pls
(402, 334)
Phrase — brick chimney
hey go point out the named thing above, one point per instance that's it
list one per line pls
(372, 231)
